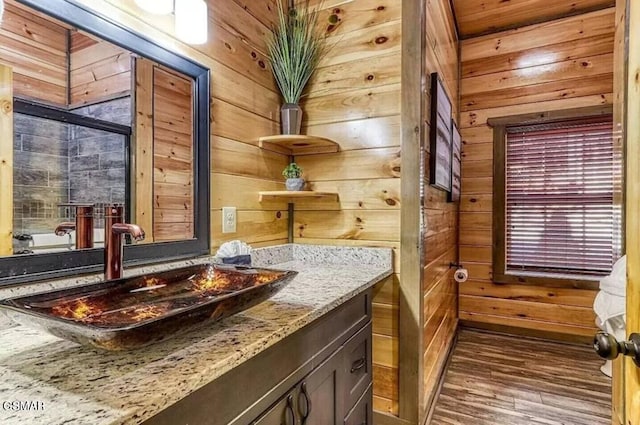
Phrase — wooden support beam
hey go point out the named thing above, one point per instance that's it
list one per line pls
(619, 85)
(6, 160)
(411, 312)
(632, 178)
(143, 139)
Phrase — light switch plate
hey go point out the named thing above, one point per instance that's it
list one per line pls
(228, 219)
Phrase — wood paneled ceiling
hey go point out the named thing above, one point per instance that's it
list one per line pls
(479, 17)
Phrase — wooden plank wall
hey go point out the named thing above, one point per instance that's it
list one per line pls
(36, 49)
(354, 99)
(99, 70)
(6, 160)
(561, 64)
(476, 18)
(440, 302)
(172, 156)
(244, 106)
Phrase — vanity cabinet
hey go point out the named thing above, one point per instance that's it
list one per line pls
(338, 391)
(319, 375)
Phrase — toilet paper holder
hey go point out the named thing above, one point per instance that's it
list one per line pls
(461, 274)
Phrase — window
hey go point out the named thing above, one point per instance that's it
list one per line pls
(556, 199)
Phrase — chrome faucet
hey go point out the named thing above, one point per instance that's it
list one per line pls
(114, 229)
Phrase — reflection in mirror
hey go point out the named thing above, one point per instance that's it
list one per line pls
(93, 125)
(62, 170)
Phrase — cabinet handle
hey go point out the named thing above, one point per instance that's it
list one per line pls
(358, 364)
(289, 413)
(306, 411)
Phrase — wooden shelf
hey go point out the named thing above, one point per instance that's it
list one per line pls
(292, 196)
(295, 144)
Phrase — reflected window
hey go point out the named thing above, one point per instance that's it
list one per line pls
(58, 164)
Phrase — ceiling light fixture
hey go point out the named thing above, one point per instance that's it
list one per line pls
(157, 7)
(192, 21)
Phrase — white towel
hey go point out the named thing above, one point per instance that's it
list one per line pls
(616, 282)
(609, 308)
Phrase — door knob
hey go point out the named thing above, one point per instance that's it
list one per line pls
(609, 348)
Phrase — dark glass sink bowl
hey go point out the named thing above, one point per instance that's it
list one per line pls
(130, 313)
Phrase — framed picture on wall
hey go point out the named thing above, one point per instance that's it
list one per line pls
(440, 136)
(456, 145)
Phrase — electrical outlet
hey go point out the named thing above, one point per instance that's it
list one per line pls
(228, 219)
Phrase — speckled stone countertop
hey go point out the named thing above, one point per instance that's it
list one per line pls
(75, 385)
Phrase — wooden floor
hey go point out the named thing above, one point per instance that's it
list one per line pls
(503, 380)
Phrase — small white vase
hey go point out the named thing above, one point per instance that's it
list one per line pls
(295, 184)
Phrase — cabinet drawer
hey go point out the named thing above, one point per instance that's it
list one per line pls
(361, 412)
(357, 366)
(282, 413)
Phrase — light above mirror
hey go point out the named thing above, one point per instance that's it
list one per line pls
(157, 7)
(191, 17)
(191, 21)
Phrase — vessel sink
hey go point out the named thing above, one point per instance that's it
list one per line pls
(134, 312)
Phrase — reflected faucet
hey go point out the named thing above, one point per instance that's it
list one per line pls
(65, 228)
(114, 229)
(83, 225)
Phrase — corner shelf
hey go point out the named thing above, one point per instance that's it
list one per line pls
(295, 144)
(293, 196)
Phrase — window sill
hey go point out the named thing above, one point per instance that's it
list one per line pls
(552, 280)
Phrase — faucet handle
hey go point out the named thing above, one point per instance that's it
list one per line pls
(65, 228)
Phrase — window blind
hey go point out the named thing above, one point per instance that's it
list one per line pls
(560, 212)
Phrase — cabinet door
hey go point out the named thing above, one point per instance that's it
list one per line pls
(319, 399)
(357, 370)
(361, 414)
(282, 413)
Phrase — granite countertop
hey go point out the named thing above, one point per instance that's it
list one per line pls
(73, 385)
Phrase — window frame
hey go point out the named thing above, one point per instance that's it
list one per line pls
(499, 125)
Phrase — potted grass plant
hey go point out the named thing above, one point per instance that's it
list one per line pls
(295, 48)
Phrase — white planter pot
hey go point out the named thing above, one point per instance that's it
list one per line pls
(295, 184)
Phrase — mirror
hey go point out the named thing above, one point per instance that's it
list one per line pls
(96, 124)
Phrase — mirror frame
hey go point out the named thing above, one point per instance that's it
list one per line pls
(20, 269)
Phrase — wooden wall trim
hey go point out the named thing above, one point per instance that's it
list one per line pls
(6, 160)
(537, 20)
(412, 136)
(441, 379)
(550, 116)
(529, 333)
(143, 149)
(499, 213)
(619, 97)
(385, 419)
(632, 216)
